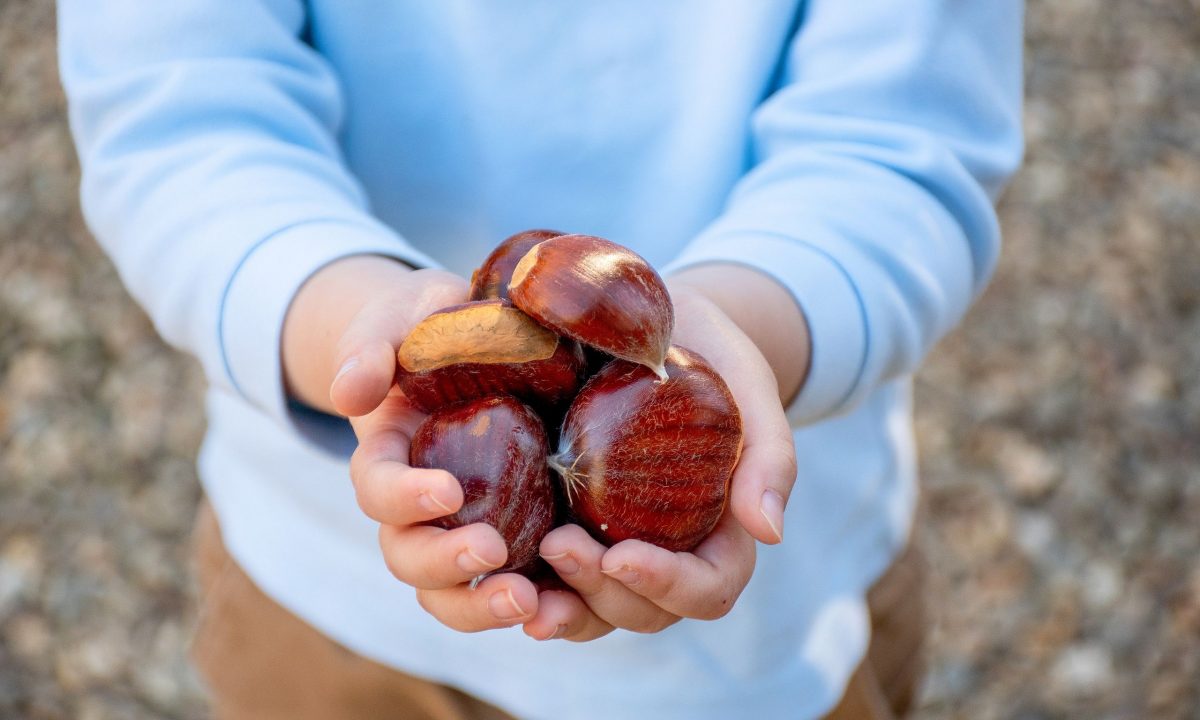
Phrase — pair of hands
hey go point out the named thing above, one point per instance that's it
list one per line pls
(340, 341)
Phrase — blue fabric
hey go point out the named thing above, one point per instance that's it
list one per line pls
(851, 151)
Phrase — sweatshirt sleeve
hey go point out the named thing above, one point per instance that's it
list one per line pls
(211, 174)
(874, 167)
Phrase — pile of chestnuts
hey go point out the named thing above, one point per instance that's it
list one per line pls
(566, 343)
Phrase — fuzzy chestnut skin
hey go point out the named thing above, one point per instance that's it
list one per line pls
(492, 277)
(496, 448)
(506, 353)
(648, 459)
(599, 293)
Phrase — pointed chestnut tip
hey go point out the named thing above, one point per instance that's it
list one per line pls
(661, 371)
(598, 293)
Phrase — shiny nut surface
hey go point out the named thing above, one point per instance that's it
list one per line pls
(496, 448)
(649, 459)
(599, 293)
(492, 277)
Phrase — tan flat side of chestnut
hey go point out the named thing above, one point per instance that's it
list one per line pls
(488, 331)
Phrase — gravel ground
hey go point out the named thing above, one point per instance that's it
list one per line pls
(1058, 430)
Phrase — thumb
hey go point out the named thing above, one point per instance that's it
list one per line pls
(365, 358)
(364, 377)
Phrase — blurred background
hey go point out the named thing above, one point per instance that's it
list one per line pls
(1059, 428)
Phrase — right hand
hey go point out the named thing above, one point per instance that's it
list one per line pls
(339, 354)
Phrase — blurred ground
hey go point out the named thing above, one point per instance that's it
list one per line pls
(1059, 428)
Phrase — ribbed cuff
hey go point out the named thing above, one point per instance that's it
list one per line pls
(256, 300)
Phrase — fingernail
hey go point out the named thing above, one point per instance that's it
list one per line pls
(432, 504)
(563, 563)
(345, 368)
(625, 574)
(504, 606)
(772, 511)
(558, 632)
(469, 562)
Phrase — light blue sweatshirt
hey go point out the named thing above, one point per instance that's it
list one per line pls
(851, 150)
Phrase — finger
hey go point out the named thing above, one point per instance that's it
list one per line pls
(366, 353)
(564, 615)
(395, 494)
(499, 601)
(386, 488)
(432, 558)
(703, 584)
(576, 557)
(363, 377)
(763, 479)
(766, 471)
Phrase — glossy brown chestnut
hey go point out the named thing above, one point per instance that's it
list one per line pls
(599, 293)
(491, 279)
(496, 448)
(649, 459)
(487, 348)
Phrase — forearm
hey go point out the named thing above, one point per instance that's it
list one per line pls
(211, 172)
(764, 309)
(869, 195)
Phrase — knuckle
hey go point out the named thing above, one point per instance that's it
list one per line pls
(359, 464)
(653, 624)
(660, 585)
(394, 567)
(716, 609)
(587, 632)
(426, 602)
(365, 497)
(435, 602)
(588, 587)
(719, 604)
(784, 451)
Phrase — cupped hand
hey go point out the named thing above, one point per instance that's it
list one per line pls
(640, 587)
(340, 342)
(437, 562)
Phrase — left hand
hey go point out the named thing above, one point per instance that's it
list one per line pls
(641, 587)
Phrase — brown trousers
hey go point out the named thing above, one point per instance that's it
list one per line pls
(260, 662)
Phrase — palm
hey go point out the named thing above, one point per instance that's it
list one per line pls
(645, 588)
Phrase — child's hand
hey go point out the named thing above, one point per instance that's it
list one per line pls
(342, 333)
(340, 341)
(641, 587)
(436, 562)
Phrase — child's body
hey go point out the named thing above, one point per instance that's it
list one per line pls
(814, 179)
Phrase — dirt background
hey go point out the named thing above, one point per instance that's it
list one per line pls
(1059, 428)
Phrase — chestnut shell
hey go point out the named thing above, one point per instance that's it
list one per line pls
(490, 280)
(649, 459)
(599, 293)
(547, 385)
(496, 448)
(546, 381)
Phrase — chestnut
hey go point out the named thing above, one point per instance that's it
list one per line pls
(599, 293)
(648, 459)
(496, 448)
(486, 348)
(490, 280)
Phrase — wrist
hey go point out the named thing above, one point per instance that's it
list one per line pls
(762, 308)
(319, 315)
